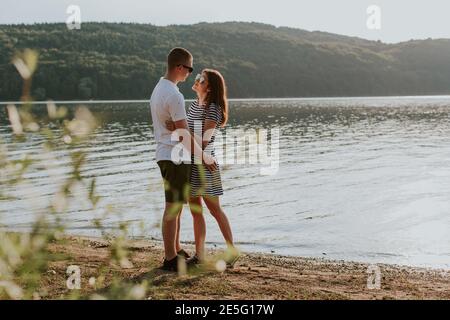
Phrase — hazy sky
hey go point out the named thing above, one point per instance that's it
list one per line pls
(401, 20)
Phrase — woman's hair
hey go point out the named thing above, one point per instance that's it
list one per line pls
(217, 93)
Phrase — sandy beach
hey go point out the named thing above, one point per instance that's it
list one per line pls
(255, 276)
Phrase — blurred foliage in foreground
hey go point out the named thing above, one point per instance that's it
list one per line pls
(124, 61)
(24, 257)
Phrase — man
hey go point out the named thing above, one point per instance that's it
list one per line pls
(167, 104)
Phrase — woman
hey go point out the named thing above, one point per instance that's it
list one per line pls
(210, 111)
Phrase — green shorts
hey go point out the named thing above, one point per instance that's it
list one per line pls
(176, 180)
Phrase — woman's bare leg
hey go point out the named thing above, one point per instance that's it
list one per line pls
(213, 204)
(195, 204)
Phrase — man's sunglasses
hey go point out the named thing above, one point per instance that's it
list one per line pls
(190, 69)
(201, 79)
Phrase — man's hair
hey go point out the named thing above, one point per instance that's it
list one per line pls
(178, 56)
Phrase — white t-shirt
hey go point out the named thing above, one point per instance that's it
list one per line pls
(166, 103)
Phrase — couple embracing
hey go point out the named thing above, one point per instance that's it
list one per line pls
(195, 179)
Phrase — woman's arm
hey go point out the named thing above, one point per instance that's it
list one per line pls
(212, 119)
(170, 125)
(191, 145)
(210, 128)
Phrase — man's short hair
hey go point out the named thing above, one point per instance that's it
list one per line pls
(178, 56)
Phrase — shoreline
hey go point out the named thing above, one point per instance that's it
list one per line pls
(323, 258)
(255, 275)
(101, 101)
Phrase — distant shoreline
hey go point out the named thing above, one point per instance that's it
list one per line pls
(234, 99)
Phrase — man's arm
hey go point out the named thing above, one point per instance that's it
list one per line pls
(210, 128)
(170, 125)
(192, 146)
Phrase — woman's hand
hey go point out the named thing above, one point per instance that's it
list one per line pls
(170, 125)
(209, 162)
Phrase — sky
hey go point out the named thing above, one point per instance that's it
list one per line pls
(399, 20)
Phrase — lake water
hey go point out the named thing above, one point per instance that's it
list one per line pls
(364, 179)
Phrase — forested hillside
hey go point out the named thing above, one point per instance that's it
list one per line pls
(124, 61)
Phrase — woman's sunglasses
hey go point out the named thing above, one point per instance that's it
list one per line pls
(201, 79)
(190, 69)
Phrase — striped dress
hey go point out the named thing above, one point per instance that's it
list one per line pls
(204, 182)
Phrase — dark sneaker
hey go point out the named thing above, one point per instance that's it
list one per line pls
(232, 256)
(170, 265)
(184, 254)
(193, 262)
